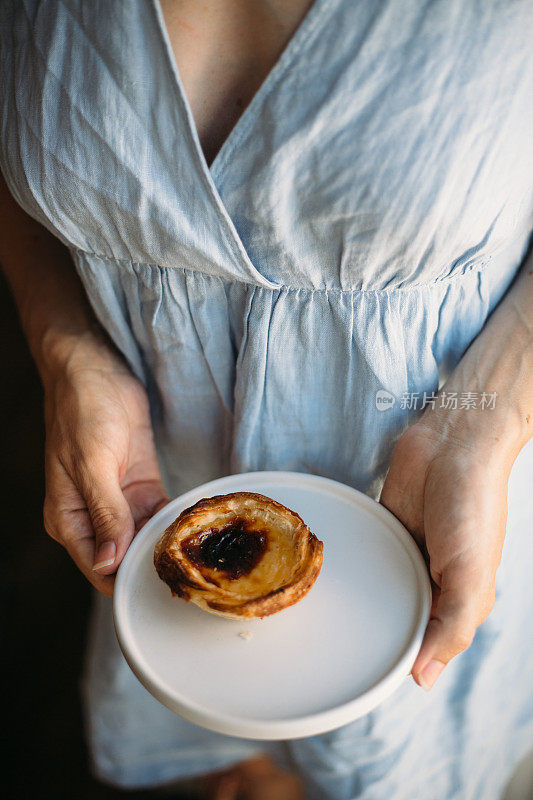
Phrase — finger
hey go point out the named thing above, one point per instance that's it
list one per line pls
(145, 498)
(403, 489)
(227, 788)
(279, 787)
(82, 551)
(464, 601)
(435, 596)
(97, 478)
(80, 548)
(66, 519)
(265, 780)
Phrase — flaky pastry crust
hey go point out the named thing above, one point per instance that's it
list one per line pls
(239, 555)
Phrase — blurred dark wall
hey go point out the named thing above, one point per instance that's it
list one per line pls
(46, 599)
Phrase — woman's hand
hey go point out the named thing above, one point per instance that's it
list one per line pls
(448, 476)
(102, 476)
(449, 488)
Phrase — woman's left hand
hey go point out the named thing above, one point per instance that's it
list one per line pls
(448, 476)
(447, 484)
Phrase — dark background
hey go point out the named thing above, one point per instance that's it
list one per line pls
(47, 603)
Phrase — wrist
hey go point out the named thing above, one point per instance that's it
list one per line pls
(493, 411)
(488, 424)
(62, 353)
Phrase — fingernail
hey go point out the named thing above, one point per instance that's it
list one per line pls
(105, 555)
(430, 673)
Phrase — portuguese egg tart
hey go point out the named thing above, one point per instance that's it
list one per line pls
(239, 555)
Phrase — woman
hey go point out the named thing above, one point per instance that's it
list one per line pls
(276, 210)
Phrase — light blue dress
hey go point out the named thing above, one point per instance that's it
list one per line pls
(367, 212)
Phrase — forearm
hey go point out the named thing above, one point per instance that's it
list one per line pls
(56, 317)
(500, 361)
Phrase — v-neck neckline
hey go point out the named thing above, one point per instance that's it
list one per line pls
(211, 177)
(244, 122)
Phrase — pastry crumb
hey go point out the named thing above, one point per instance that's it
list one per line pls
(245, 635)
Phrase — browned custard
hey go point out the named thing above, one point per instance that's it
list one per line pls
(239, 555)
(234, 549)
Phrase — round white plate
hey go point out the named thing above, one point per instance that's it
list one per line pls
(312, 667)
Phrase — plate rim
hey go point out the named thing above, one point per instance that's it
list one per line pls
(295, 727)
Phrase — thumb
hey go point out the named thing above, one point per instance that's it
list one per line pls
(145, 498)
(464, 601)
(110, 515)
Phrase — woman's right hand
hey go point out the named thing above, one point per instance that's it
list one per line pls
(102, 477)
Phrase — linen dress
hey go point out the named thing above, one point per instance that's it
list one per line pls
(362, 219)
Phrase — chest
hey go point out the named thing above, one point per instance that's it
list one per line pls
(224, 49)
(384, 152)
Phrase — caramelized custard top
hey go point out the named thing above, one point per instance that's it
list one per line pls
(234, 549)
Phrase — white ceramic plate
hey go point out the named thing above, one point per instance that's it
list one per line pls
(315, 666)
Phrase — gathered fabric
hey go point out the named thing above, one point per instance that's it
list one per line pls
(363, 218)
